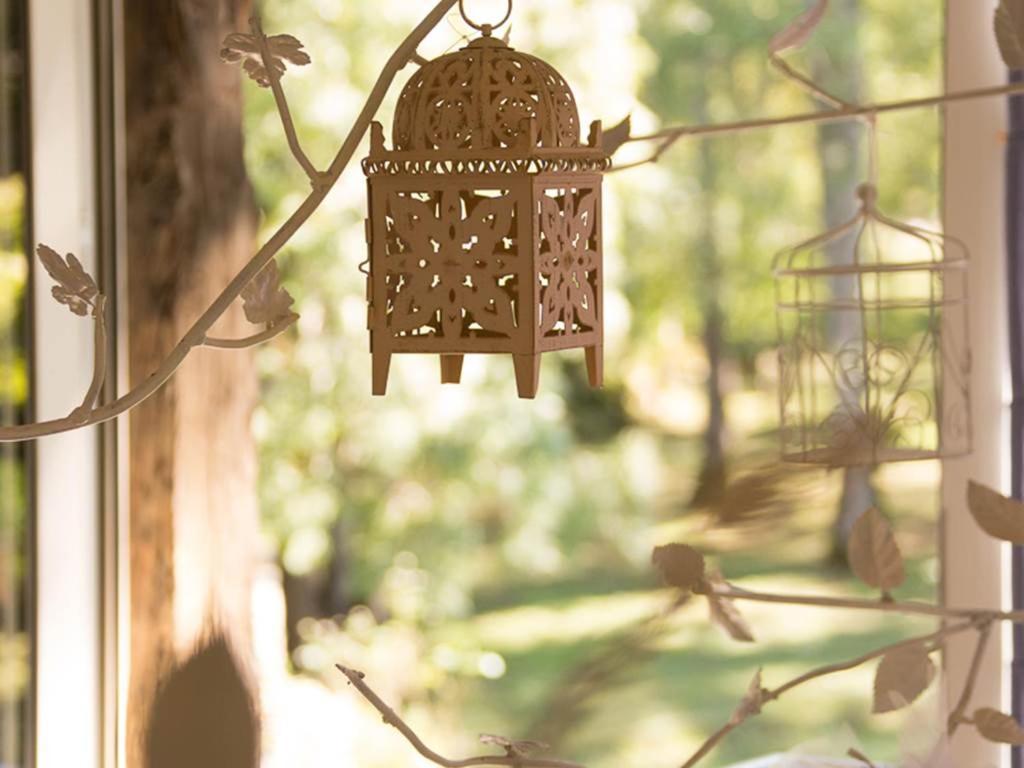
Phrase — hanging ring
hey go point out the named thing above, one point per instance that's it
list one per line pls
(484, 29)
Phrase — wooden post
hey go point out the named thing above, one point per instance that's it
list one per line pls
(190, 227)
(972, 562)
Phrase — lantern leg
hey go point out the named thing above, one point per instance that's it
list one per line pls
(595, 365)
(381, 366)
(451, 368)
(527, 374)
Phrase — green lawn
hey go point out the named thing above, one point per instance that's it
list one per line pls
(654, 709)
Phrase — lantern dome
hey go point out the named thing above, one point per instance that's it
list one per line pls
(484, 97)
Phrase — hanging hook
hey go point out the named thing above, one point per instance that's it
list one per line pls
(484, 29)
(870, 121)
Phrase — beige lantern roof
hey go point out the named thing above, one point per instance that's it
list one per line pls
(483, 97)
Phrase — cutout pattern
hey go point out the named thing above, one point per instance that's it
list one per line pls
(485, 97)
(451, 262)
(569, 261)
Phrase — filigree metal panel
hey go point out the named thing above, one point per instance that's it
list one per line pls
(569, 261)
(450, 266)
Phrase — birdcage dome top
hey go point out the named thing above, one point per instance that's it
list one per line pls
(485, 96)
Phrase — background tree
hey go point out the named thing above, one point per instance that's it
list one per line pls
(843, 168)
(190, 227)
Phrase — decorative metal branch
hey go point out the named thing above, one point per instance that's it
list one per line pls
(667, 137)
(957, 716)
(757, 696)
(265, 60)
(905, 670)
(270, 65)
(1009, 33)
(255, 339)
(517, 753)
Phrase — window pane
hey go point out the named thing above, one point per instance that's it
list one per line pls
(15, 570)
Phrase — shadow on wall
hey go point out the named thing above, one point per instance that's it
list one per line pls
(203, 714)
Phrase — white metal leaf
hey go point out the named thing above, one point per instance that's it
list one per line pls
(681, 566)
(873, 552)
(521, 747)
(859, 756)
(282, 50)
(997, 515)
(618, 135)
(902, 676)
(75, 287)
(1009, 25)
(800, 29)
(752, 702)
(725, 614)
(998, 727)
(265, 301)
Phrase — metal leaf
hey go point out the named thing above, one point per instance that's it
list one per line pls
(800, 29)
(902, 676)
(265, 301)
(725, 614)
(998, 727)
(616, 136)
(859, 756)
(681, 566)
(752, 702)
(997, 515)
(282, 50)
(75, 287)
(1009, 25)
(873, 552)
(521, 747)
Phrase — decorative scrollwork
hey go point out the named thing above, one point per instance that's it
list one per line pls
(485, 96)
(569, 261)
(394, 165)
(451, 263)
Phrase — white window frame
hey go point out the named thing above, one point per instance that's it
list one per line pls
(976, 568)
(77, 701)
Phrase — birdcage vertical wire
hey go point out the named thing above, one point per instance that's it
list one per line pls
(873, 361)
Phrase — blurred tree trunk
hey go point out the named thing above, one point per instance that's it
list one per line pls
(842, 170)
(712, 478)
(190, 226)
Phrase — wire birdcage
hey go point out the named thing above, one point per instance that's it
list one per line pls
(872, 322)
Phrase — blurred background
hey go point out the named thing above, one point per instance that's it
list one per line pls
(486, 560)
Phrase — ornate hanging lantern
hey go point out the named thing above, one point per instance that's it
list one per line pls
(872, 331)
(484, 221)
